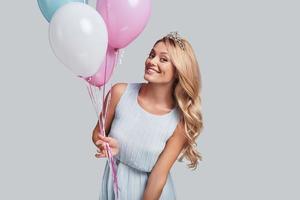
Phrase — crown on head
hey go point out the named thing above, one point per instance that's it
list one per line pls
(176, 38)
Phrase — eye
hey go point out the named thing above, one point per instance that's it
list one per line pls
(151, 55)
(163, 60)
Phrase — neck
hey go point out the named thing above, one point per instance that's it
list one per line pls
(159, 94)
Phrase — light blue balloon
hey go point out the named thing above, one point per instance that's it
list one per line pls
(48, 7)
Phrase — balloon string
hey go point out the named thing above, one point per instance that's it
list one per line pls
(113, 164)
(92, 98)
(103, 116)
(103, 93)
(105, 106)
(110, 158)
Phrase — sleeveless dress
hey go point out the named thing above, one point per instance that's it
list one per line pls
(142, 137)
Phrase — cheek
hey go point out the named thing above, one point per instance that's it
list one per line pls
(169, 69)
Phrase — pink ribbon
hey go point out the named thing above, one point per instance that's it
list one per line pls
(101, 120)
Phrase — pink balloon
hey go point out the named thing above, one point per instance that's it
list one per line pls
(102, 76)
(125, 19)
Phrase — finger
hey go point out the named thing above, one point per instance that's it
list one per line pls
(105, 139)
(99, 142)
(100, 150)
(105, 144)
(114, 143)
(99, 155)
(111, 141)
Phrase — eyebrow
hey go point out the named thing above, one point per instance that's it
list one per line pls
(160, 52)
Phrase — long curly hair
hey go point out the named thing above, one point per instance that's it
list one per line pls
(187, 88)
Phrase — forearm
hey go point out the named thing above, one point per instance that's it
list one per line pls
(95, 134)
(154, 188)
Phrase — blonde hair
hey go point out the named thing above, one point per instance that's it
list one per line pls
(187, 95)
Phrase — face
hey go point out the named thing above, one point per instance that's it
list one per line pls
(158, 66)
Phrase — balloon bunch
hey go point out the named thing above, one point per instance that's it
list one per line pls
(88, 40)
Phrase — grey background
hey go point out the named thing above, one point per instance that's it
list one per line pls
(249, 56)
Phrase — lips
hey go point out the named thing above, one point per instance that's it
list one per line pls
(152, 69)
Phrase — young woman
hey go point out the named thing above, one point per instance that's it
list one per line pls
(150, 124)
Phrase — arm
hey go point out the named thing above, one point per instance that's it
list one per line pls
(160, 171)
(116, 93)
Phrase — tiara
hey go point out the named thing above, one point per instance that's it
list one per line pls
(176, 37)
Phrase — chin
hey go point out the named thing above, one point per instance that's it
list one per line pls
(145, 77)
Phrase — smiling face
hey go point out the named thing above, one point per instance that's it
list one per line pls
(158, 65)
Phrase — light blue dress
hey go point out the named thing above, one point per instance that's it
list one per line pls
(142, 137)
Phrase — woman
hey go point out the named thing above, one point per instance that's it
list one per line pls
(150, 124)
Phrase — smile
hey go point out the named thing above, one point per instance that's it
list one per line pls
(151, 70)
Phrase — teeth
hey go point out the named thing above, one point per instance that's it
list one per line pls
(149, 69)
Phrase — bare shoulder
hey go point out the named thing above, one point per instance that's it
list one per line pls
(116, 92)
(118, 89)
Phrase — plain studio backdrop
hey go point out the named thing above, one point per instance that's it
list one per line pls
(248, 53)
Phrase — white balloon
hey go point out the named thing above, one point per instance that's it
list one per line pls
(78, 37)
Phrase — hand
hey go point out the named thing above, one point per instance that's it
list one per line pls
(101, 144)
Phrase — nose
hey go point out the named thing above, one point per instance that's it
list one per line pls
(153, 61)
